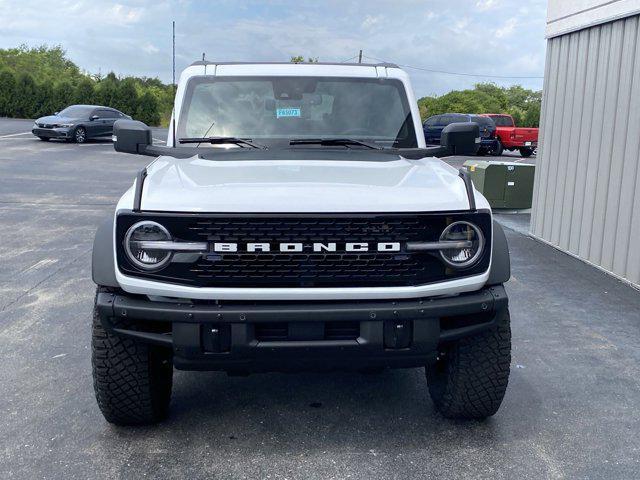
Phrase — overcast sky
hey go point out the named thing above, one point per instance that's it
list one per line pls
(497, 37)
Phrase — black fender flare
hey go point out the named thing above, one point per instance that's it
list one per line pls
(102, 262)
(500, 261)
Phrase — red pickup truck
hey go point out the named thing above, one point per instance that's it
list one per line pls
(511, 137)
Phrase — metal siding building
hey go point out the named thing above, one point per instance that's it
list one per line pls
(587, 188)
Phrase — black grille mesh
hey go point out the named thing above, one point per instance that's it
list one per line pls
(307, 268)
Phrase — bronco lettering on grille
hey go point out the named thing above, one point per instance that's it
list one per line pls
(299, 247)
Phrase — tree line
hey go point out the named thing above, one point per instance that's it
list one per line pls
(38, 81)
(35, 82)
(522, 104)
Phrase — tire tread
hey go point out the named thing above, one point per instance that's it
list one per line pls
(472, 380)
(132, 380)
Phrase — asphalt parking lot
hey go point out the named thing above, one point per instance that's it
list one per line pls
(572, 409)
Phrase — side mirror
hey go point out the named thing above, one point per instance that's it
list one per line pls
(94, 117)
(461, 138)
(131, 136)
(56, 113)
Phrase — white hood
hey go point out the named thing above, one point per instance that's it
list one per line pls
(302, 186)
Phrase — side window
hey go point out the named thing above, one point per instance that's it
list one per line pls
(109, 114)
(447, 119)
(431, 121)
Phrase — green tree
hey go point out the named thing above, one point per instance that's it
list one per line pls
(25, 97)
(47, 64)
(300, 59)
(532, 115)
(44, 100)
(62, 95)
(50, 66)
(147, 111)
(7, 93)
(84, 92)
(107, 90)
(522, 104)
(127, 97)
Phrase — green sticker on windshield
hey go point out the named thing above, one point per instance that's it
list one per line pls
(287, 112)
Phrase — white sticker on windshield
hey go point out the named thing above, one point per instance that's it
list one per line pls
(287, 112)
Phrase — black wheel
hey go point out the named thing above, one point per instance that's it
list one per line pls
(80, 135)
(470, 378)
(481, 152)
(44, 139)
(526, 152)
(132, 380)
(499, 149)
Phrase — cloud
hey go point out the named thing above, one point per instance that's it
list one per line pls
(370, 21)
(135, 35)
(484, 5)
(121, 14)
(507, 28)
(150, 48)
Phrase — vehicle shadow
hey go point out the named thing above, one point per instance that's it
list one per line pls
(357, 412)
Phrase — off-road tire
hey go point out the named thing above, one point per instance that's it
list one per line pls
(44, 139)
(499, 149)
(470, 378)
(80, 135)
(132, 380)
(526, 152)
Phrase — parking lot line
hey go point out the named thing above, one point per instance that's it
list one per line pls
(15, 134)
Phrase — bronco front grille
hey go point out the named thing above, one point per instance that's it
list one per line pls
(306, 268)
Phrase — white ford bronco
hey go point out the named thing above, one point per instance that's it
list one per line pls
(296, 221)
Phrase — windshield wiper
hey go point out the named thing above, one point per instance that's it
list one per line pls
(221, 140)
(333, 141)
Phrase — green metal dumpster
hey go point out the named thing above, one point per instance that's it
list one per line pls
(504, 184)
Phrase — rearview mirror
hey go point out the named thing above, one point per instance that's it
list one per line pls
(131, 136)
(461, 138)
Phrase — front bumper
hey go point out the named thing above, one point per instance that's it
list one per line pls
(51, 132)
(241, 337)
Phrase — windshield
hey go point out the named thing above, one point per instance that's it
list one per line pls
(286, 108)
(76, 111)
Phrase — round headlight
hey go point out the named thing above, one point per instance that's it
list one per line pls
(470, 244)
(138, 250)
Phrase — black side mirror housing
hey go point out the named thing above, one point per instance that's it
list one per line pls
(461, 138)
(131, 136)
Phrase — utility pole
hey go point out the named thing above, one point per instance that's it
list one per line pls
(173, 123)
(173, 25)
(360, 57)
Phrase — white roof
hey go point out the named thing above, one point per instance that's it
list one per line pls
(294, 69)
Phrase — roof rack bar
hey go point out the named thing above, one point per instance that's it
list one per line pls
(137, 197)
(466, 178)
(381, 64)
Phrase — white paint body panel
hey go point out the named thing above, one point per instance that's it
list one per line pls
(301, 186)
(313, 186)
